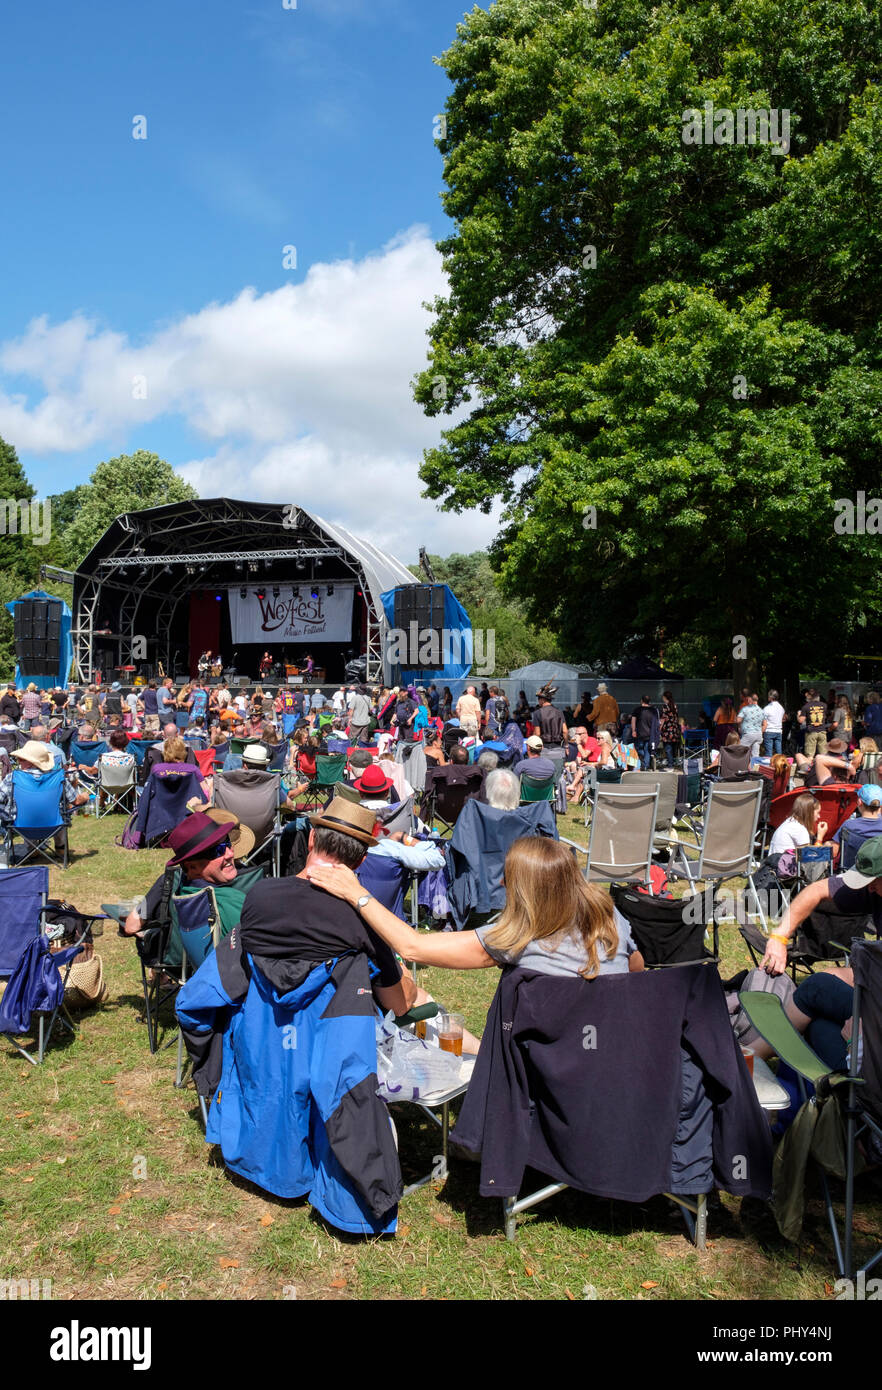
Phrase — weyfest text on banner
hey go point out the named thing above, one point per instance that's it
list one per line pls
(258, 617)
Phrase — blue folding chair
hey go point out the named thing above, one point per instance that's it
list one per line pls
(36, 977)
(38, 815)
(85, 755)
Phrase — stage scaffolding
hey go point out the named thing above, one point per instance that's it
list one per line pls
(131, 585)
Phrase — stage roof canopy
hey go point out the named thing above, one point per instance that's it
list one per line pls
(148, 561)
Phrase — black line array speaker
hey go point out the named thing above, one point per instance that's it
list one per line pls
(424, 605)
(37, 635)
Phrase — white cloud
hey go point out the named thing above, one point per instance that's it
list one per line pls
(303, 392)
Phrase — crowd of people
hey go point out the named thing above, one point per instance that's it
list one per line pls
(554, 922)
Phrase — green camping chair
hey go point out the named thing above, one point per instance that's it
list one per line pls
(854, 1098)
(536, 788)
(329, 770)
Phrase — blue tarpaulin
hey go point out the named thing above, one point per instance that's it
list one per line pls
(454, 648)
(65, 646)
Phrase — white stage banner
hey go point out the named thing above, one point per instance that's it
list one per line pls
(327, 618)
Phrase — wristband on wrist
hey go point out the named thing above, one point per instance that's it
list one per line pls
(776, 936)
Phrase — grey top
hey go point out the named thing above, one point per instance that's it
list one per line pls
(565, 955)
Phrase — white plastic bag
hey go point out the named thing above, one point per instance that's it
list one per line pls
(410, 1069)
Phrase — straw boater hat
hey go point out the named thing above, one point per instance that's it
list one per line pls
(347, 819)
(39, 754)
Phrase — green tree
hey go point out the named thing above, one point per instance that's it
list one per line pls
(128, 483)
(20, 558)
(683, 337)
(516, 640)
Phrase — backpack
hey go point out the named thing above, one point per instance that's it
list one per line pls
(130, 837)
(755, 982)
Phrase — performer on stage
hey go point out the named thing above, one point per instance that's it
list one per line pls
(203, 666)
(307, 675)
(266, 666)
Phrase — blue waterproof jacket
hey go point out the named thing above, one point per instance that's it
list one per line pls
(288, 1050)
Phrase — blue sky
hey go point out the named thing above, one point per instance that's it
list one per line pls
(159, 261)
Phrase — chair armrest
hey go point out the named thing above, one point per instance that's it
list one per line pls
(767, 1015)
(583, 849)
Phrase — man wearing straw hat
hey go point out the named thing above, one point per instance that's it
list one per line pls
(37, 758)
(291, 920)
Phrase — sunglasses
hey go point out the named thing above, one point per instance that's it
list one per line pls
(218, 851)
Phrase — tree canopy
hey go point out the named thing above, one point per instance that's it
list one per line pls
(128, 483)
(683, 337)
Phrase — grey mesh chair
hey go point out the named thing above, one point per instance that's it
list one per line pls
(117, 787)
(726, 847)
(254, 797)
(667, 783)
(622, 835)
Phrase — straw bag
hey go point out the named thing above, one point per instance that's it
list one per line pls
(85, 985)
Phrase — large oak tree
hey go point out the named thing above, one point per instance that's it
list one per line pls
(684, 337)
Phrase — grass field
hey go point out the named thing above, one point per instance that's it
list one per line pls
(110, 1191)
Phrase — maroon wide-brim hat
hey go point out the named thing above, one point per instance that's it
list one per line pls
(195, 836)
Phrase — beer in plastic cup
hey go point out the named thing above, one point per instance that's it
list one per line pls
(450, 1029)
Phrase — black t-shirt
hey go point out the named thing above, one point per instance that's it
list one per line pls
(291, 919)
(815, 712)
(643, 715)
(9, 705)
(59, 699)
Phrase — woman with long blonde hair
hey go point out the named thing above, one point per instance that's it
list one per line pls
(553, 922)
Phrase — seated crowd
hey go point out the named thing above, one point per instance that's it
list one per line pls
(352, 846)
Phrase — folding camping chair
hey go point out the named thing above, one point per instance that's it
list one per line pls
(481, 838)
(537, 789)
(669, 931)
(850, 843)
(117, 785)
(667, 783)
(329, 769)
(597, 777)
(36, 976)
(38, 816)
(85, 755)
(163, 801)
(622, 836)
(11, 737)
(278, 755)
(859, 1091)
(254, 797)
(447, 791)
(576, 1126)
(726, 848)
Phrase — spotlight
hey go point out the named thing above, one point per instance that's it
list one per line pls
(218, 598)
(276, 591)
(243, 592)
(330, 590)
(313, 593)
(261, 594)
(190, 569)
(301, 564)
(167, 570)
(295, 591)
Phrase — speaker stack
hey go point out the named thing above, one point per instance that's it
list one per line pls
(37, 636)
(424, 605)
